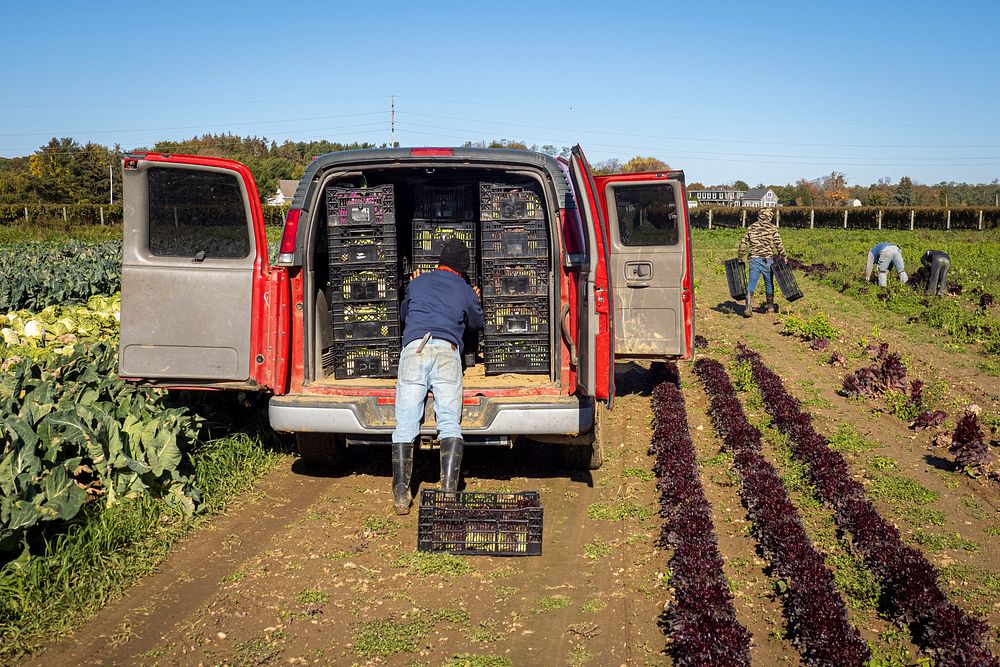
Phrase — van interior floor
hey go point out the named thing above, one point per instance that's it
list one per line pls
(473, 378)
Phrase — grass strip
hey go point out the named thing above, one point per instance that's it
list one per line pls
(106, 548)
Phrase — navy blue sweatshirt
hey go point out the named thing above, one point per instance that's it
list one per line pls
(441, 303)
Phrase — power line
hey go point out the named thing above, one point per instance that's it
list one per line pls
(706, 139)
(194, 127)
(770, 121)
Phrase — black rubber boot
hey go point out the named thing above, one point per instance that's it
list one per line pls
(402, 469)
(451, 463)
(748, 307)
(771, 305)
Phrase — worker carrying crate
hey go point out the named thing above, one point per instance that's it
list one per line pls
(761, 243)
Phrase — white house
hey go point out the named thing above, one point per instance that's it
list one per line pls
(759, 198)
(284, 193)
(717, 197)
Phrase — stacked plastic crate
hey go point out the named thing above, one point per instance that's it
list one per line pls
(442, 213)
(364, 281)
(515, 279)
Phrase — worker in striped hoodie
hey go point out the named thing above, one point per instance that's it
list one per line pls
(761, 243)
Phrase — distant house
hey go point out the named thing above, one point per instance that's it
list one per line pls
(718, 197)
(759, 198)
(284, 193)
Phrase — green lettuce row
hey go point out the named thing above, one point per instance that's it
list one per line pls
(72, 432)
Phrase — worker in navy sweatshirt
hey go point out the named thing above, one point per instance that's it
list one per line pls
(438, 308)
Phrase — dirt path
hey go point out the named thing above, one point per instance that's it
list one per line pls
(319, 570)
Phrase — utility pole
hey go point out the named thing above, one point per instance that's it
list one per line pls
(393, 116)
(111, 172)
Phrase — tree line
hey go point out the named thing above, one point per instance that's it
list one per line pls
(63, 171)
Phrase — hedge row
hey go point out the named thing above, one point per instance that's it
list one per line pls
(91, 214)
(865, 217)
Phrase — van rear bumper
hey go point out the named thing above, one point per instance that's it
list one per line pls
(550, 415)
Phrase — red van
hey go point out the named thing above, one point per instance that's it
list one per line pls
(203, 306)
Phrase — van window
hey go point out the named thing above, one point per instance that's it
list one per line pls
(647, 214)
(192, 212)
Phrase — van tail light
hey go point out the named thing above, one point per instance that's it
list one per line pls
(286, 251)
(432, 152)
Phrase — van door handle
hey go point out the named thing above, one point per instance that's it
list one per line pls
(638, 270)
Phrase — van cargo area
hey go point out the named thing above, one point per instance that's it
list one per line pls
(371, 229)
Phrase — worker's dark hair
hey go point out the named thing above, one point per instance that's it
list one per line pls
(455, 255)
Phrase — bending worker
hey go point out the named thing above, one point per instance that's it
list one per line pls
(438, 308)
(885, 254)
(936, 263)
(762, 241)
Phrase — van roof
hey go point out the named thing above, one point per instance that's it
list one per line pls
(482, 157)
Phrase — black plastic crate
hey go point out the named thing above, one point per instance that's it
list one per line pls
(498, 201)
(364, 282)
(456, 202)
(361, 206)
(736, 276)
(526, 277)
(514, 239)
(480, 523)
(786, 281)
(521, 316)
(366, 359)
(429, 236)
(362, 244)
(372, 320)
(516, 354)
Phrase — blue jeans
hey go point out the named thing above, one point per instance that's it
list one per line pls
(761, 266)
(438, 368)
(890, 256)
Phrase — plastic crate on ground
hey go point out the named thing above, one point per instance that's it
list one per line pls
(372, 359)
(368, 282)
(514, 239)
(457, 202)
(516, 354)
(372, 321)
(525, 277)
(516, 315)
(736, 276)
(361, 206)
(362, 244)
(480, 523)
(499, 201)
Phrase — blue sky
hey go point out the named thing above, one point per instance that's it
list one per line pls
(762, 92)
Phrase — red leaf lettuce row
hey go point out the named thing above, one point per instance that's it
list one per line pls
(817, 617)
(701, 619)
(915, 597)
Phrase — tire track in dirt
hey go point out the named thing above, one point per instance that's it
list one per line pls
(303, 573)
(134, 624)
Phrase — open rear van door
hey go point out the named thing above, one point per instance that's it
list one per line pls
(596, 325)
(651, 264)
(201, 307)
